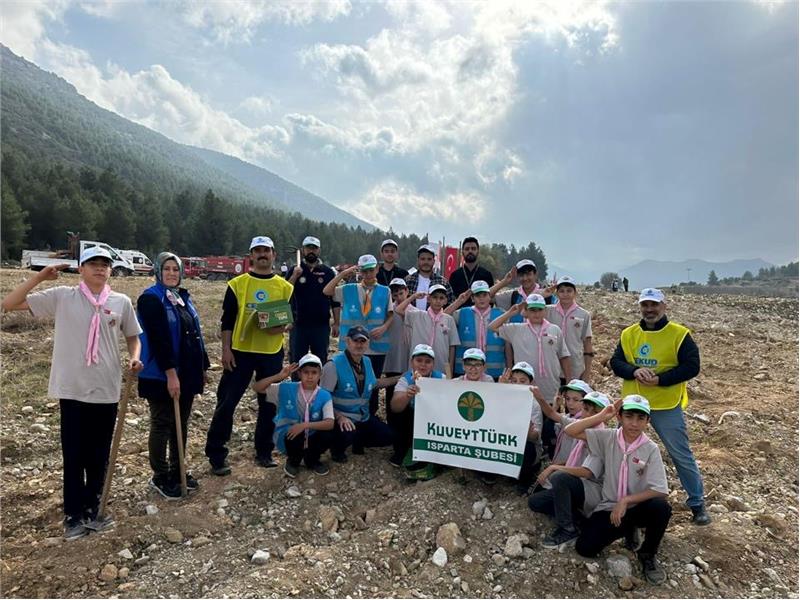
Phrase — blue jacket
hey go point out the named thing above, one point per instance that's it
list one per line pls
(288, 413)
(346, 399)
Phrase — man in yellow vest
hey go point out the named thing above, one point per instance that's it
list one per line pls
(247, 349)
(655, 358)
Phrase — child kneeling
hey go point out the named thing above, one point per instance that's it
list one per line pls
(304, 418)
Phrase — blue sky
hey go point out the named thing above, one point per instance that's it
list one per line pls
(606, 132)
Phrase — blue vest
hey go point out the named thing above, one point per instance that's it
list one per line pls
(346, 399)
(468, 334)
(151, 370)
(351, 315)
(409, 377)
(289, 414)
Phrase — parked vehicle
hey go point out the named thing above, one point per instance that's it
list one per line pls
(193, 267)
(36, 260)
(222, 268)
(141, 264)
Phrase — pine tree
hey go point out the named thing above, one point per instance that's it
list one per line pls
(712, 278)
(15, 225)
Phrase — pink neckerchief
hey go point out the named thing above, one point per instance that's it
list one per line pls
(574, 458)
(308, 401)
(565, 315)
(560, 436)
(525, 294)
(93, 343)
(435, 317)
(542, 372)
(622, 487)
(480, 324)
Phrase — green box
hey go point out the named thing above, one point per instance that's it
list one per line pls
(273, 314)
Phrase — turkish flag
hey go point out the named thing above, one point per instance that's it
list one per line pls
(450, 261)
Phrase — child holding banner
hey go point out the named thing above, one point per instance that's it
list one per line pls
(432, 326)
(305, 414)
(570, 492)
(474, 365)
(473, 329)
(634, 483)
(402, 404)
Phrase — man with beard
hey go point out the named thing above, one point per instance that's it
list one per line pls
(462, 278)
(248, 349)
(424, 278)
(312, 309)
(390, 269)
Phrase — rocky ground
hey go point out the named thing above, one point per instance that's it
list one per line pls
(363, 531)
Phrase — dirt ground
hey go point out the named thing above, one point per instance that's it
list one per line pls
(363, 531)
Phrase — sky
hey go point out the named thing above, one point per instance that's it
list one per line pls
(607, 133)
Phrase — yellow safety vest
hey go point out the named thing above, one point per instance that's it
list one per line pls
(249, 290)
(657, 351)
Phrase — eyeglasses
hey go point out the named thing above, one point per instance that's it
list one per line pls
(473, 365)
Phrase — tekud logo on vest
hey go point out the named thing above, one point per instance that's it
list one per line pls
(261, 295)
(641, 360)
(470, 406)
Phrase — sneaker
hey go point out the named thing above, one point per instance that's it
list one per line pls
(266, 462)
(700, 516)
(98, 524)
(522, 489)
(653, 572)
(221, 469)
(339, 458)
(290, 469)
(634, 539)
(559, 537)
(74, 528)
(426, 472)
(168, 489)
(396, 460)
(192, 485)
(321, 469)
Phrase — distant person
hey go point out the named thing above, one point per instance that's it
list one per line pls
(656, 358)
(462, 278)
(625, 283)
(311, 331)
(615, 285)
(284, 269)
(389, 268)
(85, 374)
(424, 278)
(247, 350)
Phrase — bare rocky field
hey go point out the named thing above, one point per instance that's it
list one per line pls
(363, 531)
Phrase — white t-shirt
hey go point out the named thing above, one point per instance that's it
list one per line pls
(423, 283)
(70, 378)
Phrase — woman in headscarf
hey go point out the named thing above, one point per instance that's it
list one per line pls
(175, 365)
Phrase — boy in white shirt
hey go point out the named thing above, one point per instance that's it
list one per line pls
(576, 325)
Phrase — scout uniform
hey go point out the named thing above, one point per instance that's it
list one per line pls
(576, 326)
(437, 330)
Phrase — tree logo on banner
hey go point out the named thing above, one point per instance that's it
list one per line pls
(470, 406)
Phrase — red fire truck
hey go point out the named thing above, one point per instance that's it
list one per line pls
(215, 268)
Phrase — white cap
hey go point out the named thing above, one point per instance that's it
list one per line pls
(426, 248)
(398, 281)
(566, 279)
(95, 252)
(651, 294)
(636, 402)
(423, 349)
(389, 242)
(526, 263)
(310, 359)
(597, 398)
(367, 261)
(524, 367)
(578, 385)
(438, 287)
(535, 301)
(474, 354)
(261, 240)
(479, 286)
(310, 240)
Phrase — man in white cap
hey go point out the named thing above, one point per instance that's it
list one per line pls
(576, 325)
(311, 330)
(461, 279)
(424, 277)
(369, 305)
(247, 350)
(656, 358)
(85, 374)
(389, 268)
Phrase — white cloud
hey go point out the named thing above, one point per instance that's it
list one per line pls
(237, 21)
(106, 9)
(257, 106)
(397, 205)
(493, 164)
(23, 23)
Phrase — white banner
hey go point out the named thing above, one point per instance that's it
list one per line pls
(475, 425)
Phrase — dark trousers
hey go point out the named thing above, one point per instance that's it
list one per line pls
(232, 385)
(563, 502)
(402, 426)
(371, 433)
(598, 532)
(549, 437)
(163, 434)
(377, 361)
(318, 442)
(391, 417)
(531, 464)
(86, 432)
(309, 338)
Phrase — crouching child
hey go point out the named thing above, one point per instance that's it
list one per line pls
(634, 483)
(304, 418)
